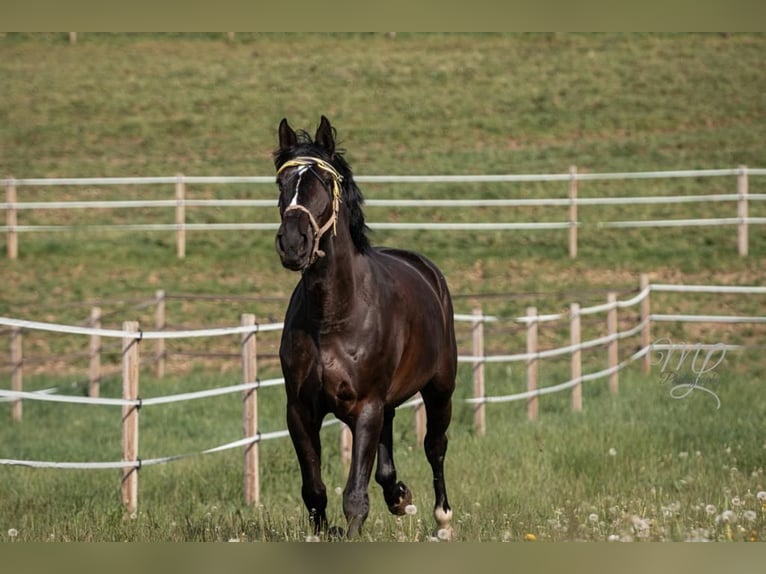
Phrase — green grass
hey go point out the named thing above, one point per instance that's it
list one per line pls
(645, 465)
(153, 104)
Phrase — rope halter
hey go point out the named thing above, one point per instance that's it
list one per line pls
(307, 163)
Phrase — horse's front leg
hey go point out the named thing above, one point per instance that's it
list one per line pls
(396, 493)
(304, 432)
(366, 430)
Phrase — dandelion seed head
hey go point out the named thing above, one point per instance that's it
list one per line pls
(312, 538)
(593, 517)
(728, 516)
(710, 509)
(411, 510)
(12, 533)
(736, 501)
(761, 496)
(338, 490)
(612, 451)
(444, 534)
(749, 515)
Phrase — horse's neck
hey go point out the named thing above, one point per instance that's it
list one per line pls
(333, 281)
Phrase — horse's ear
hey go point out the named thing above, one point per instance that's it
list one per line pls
(325, 136)
(287, 137)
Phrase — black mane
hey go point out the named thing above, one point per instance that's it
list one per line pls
(351, 195)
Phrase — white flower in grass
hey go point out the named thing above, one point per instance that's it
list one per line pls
(728, 516)
(613, 538)
(593, 517)
(411, 510)
(749, 516)
(612, 451)
(12, 533)
(444, 534)
(761, 496)
(710, 509)
(312, 538)
(736, 501)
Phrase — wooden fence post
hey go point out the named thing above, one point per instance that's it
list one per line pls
(17, 363)
(11, 220)
(532, 323)
(346, 444)
(612, 347)
(250, 412)
(574, 324)
(130, 364)
(180, 216)
(159, 323)
(94, 371)
(477, 345)
(573, 211)
(646, 329)
(742, 186)
(420, 421)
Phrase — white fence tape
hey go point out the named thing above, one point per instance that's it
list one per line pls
(479, 226)
(166, 180)
(76, 330)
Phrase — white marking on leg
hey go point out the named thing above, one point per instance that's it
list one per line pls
(443, 517)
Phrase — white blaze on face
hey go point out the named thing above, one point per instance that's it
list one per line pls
(301, 171)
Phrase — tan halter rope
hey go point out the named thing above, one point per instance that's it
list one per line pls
(307, 161)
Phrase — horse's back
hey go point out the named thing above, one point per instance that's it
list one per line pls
(427, 270)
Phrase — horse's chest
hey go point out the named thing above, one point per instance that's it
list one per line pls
(345, 371)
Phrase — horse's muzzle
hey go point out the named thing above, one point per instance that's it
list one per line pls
(295, 242)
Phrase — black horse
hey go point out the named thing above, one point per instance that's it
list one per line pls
(366, 329)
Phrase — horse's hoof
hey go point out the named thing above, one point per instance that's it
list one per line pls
(404, 500)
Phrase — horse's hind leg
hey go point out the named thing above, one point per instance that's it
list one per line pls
(396, 494)
(305, 436)
(439, 413)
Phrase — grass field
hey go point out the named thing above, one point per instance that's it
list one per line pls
(150, 104)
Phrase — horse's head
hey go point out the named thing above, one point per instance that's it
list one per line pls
(309, 194)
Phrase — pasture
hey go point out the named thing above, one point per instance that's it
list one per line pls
(639, 465)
